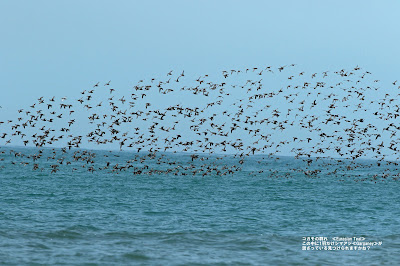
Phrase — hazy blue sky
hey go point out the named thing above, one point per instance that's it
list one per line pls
(62, 47)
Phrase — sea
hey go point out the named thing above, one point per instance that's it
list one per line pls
(77, 217)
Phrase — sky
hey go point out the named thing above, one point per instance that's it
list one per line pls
(59, 48)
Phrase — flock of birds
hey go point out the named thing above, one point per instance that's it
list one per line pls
(339, 123)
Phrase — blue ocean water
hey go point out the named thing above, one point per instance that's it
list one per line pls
(79, 217)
